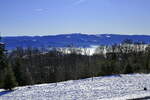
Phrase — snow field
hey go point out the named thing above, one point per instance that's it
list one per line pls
(117, 87)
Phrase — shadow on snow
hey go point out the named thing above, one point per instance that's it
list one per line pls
(5, 92)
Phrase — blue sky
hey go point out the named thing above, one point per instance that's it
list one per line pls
(45, 17)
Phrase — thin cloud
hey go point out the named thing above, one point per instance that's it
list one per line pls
(40, 10)
(77, 2)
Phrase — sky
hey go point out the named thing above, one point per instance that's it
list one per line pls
(46, 17)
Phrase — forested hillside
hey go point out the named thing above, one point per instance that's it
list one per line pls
(77, 39)
(34, 66)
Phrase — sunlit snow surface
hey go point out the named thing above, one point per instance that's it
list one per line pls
(119, 87)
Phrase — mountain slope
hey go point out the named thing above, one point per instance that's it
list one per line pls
(64, 40)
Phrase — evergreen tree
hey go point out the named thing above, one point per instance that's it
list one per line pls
(2, 63)
(18, 72)
(9, 81)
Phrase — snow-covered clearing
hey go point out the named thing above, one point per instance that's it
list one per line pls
(119, 87)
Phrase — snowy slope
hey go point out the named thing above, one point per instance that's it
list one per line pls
(106, 88)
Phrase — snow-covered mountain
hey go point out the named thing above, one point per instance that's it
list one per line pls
(64, 40)
(119, 87)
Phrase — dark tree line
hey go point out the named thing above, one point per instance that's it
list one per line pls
(33, 66)
(7, 78)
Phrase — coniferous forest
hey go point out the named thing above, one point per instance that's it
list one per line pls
(28, 66)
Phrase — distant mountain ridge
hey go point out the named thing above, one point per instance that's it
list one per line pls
(64, 40)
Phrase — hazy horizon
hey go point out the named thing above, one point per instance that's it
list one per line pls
(72, 33)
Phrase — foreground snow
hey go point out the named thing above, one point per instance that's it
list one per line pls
(107, 88)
